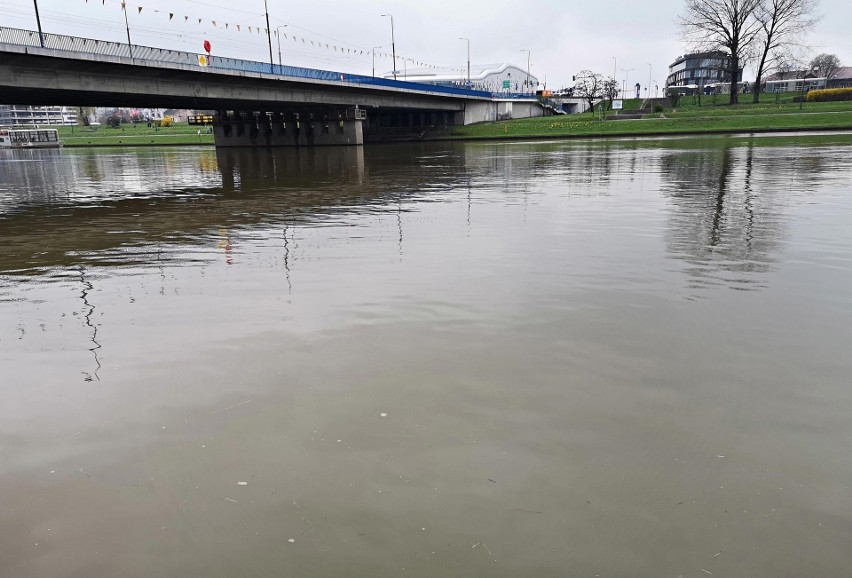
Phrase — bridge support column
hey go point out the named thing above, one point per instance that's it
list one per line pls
(287, 129)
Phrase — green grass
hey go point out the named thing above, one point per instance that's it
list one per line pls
(686, 118)
(128, 135)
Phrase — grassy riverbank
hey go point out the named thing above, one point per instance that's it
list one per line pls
(691, 116)
(687, 118)
(130, 135)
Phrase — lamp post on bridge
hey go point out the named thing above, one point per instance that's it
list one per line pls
(278, 34)
(393, 45)
(468, 59)
(38, 22)
(374, 60)
(269, 39)
(127, 27)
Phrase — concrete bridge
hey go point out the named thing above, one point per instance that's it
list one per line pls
(256, 104)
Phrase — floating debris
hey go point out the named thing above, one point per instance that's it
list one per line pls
(291, 540)
(242, 483)
(214, 412)
(383, 414)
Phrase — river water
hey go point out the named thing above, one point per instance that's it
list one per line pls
(585, 358)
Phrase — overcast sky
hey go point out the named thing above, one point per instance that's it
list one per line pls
(562, 37)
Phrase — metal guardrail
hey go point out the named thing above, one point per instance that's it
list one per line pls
(61, 42)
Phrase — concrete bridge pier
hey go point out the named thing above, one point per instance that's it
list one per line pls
(289, 128)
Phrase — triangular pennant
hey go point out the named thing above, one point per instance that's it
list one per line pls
(238, 27)
(171, 15)
(139, 8)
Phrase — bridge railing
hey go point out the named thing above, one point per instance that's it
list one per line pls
(142, 54)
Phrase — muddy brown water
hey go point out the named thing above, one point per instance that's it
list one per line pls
(591, 358)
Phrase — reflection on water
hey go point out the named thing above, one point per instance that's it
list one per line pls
(478, 359)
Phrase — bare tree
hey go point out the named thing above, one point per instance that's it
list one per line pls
(826, 65)
(780, 22)
(590, 87)
(610, 90)
(722, 24)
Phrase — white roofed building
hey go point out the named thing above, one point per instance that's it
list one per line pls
(495, 78)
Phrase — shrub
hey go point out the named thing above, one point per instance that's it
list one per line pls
(167, 121)
(674, 97)
(829, 94)
(658, 108)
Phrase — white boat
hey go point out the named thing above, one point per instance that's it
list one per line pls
(27, 138)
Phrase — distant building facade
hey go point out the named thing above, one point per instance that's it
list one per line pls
(799, 80)
(702, 69)
(487, 77)
(13, 115)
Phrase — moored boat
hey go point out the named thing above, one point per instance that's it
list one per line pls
(26, 138)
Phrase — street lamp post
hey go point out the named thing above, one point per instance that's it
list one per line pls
(278, 34)
(649, 80)
(468, 59)
(528, 66)
(813, 71)
(626, 72)
(614, 69)
(38, 22)
(269, 38)
(393, 45)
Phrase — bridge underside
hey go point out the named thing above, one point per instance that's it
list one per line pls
(317, 126)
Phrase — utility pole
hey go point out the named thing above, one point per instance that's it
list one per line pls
(468, 59)
(393, 45)
(38, 22)
(528, 67)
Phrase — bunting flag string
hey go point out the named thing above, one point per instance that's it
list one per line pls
(238, 27)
